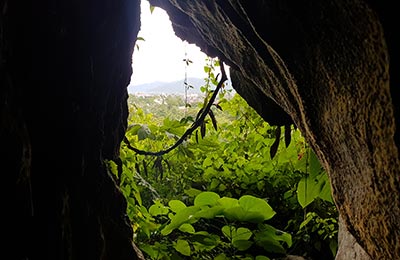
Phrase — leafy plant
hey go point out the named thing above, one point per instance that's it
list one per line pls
(209, 226)
(222, 195)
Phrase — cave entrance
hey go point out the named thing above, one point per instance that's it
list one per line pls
(167, 70)
(158, 60)
(233, 156)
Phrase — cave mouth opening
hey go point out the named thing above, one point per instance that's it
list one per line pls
(154, 66)
(166, 67)
(161, 61)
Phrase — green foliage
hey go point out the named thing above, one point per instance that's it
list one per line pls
(314, 184)
(221, 195)
(191, 234)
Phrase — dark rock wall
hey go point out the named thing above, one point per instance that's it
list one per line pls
(327, 64)
(64, 68)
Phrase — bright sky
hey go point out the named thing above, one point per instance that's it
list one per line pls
(160, 55)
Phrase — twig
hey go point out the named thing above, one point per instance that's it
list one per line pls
(194, 126)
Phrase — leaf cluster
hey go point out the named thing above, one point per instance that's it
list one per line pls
(244, 190)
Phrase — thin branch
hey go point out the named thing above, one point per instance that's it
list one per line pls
(194, 126)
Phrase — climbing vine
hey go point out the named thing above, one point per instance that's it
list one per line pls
(199, 122)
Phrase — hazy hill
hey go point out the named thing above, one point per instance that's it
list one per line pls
(175, 87)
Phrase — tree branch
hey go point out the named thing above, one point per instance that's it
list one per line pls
(194, 126)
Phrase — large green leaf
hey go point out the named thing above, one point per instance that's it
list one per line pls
(207, 144)
(158, 209)
(240, 214)
(156, 251)
(313, 185)
(174, 127)
(192, 192)
(186, 215)
(206, 198)
(188, 228)
(270, 239)
(183, 247)
(239, 237)
(206, 239)
(315, 165)
(209, 212)
(207, 162)
(149, 250)
(228, 231)
(176, 205)
(242, 234)
(247, 209)
(256, 205)
(221, 257)
(325, 193)
(242, 245)
(227, 202)
(306, 191)
(133, 129)
(261, 257)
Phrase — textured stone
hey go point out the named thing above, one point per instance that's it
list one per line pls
(64, 70)
(331, 66)
(349, 248)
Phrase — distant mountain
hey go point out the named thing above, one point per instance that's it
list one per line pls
(175, 87)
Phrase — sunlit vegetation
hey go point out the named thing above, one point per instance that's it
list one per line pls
(220, 195)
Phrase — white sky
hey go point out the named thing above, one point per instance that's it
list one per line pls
(160, 56)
